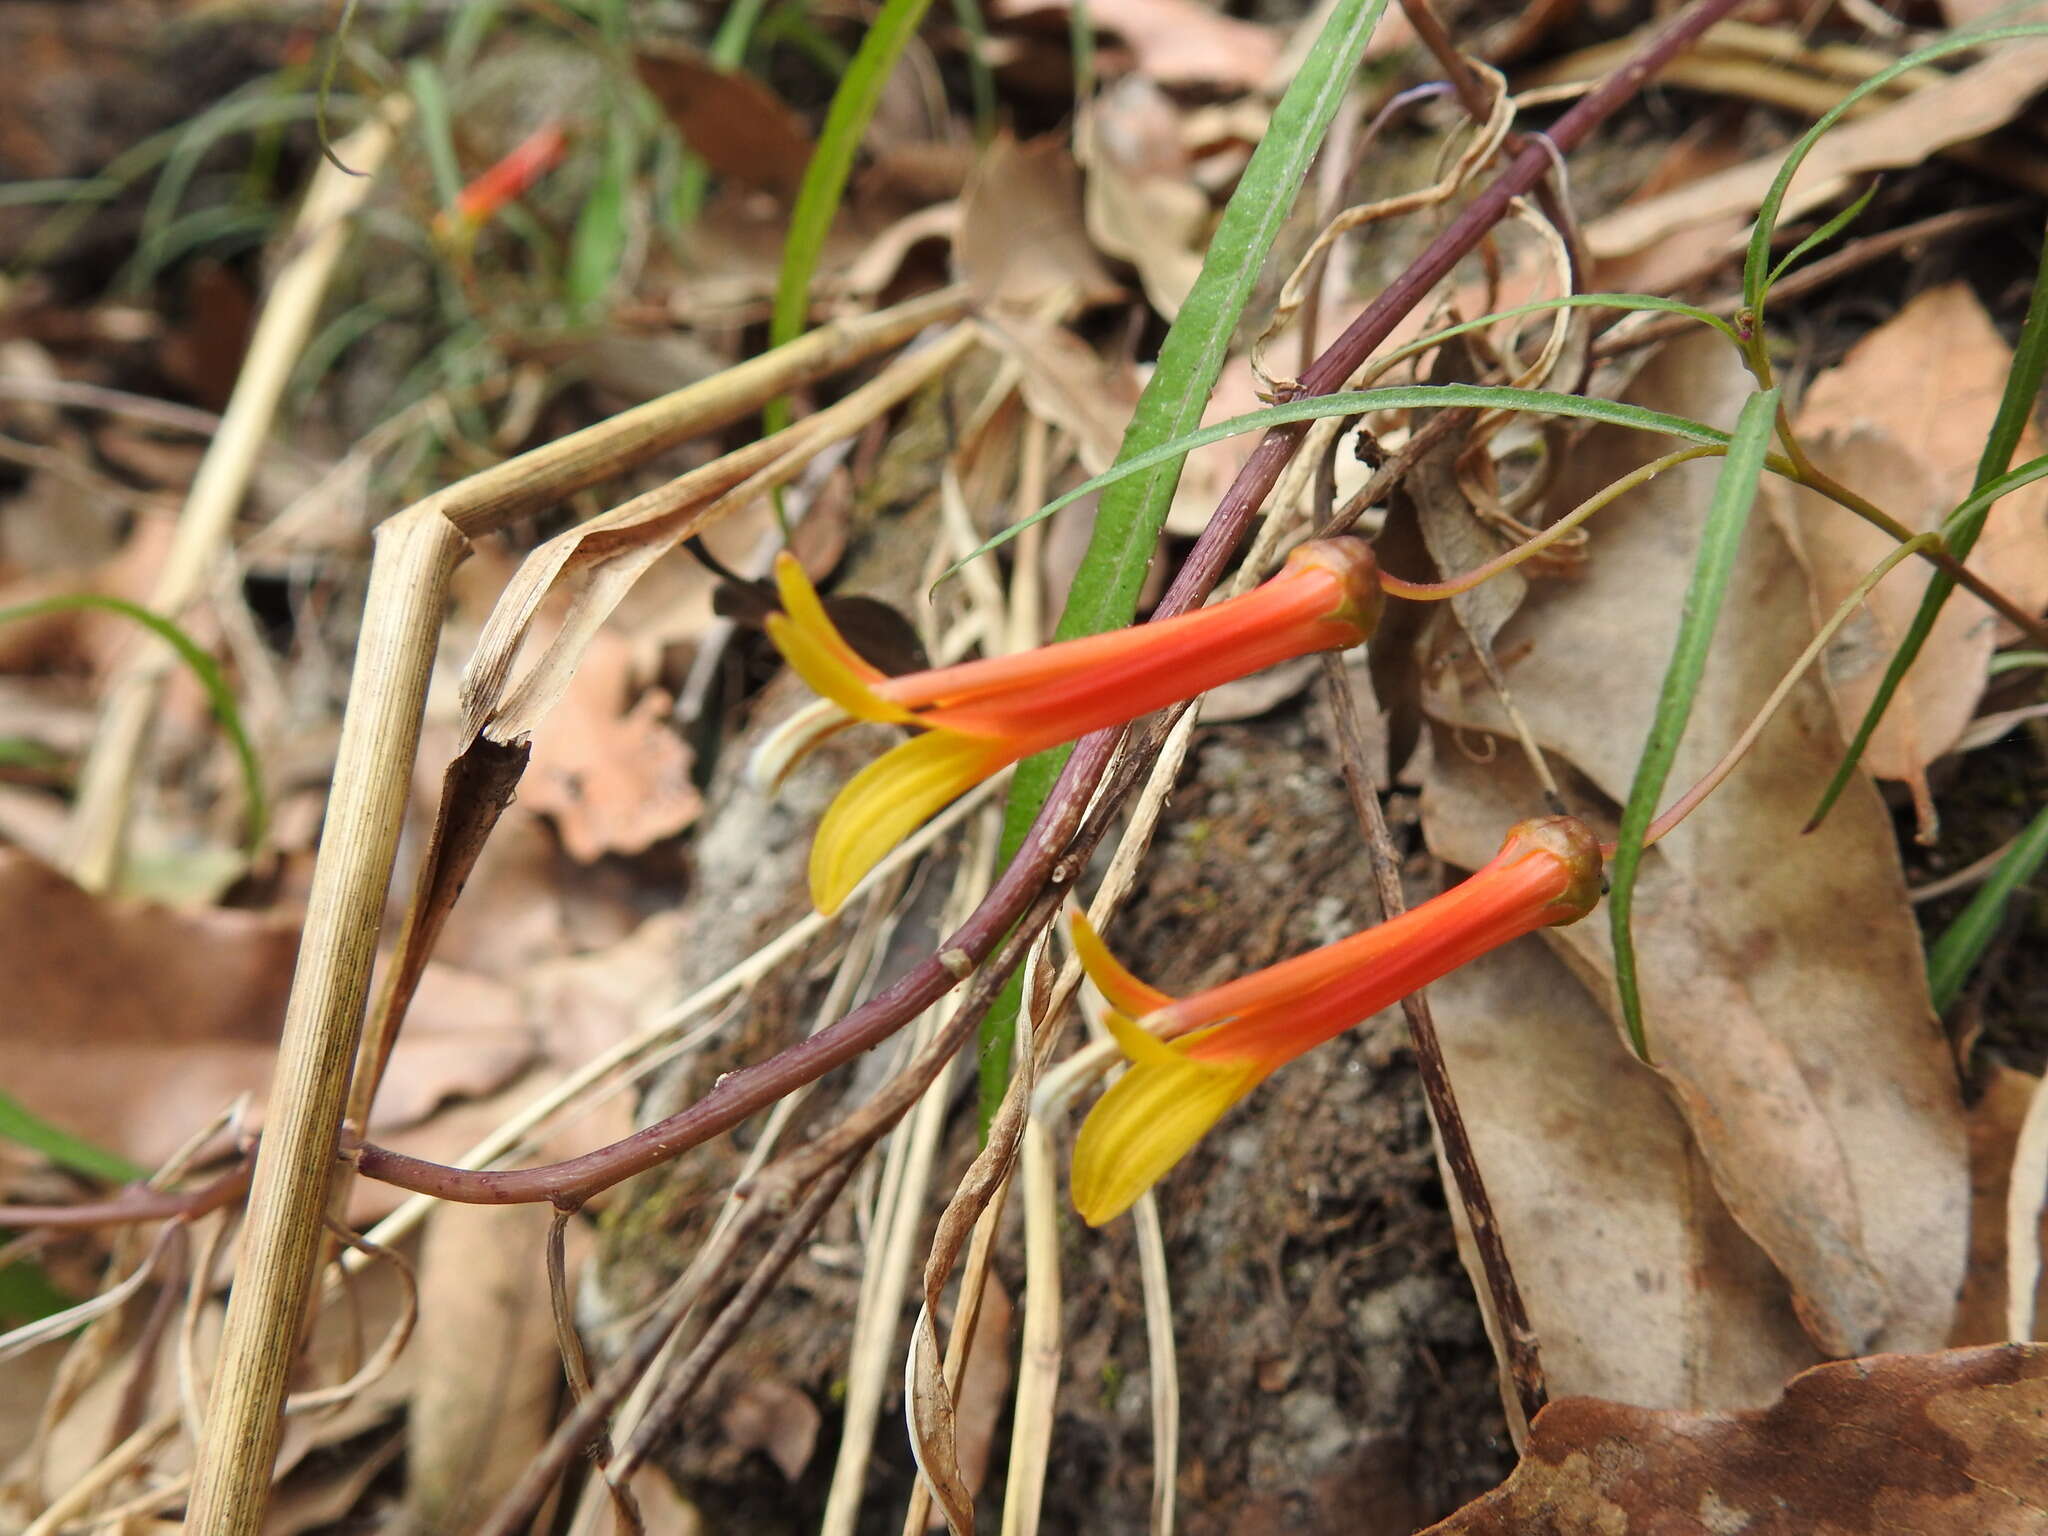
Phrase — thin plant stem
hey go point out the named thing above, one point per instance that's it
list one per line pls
(1517, 1334)
(1437, 591)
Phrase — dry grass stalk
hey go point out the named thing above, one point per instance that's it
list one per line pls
(415, 554)
(106, 782)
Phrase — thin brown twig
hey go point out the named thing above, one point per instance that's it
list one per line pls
(1518, 1338)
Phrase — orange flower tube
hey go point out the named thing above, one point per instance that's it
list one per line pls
(1546, 874)
(528, 160)
(979, 716)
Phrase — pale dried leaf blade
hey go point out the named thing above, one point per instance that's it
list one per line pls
(1981, 98)
(1021, 240)
(1941, 1445)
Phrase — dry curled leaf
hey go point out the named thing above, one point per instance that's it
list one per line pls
(1938, 1445)
(1021, 240)
(1903, 418)
(740, 126)
(1980, 98)
(1142, 205)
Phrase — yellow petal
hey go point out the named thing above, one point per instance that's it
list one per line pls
(1125, 992)
(1148, 1121)
(819, 654)
(888, 800)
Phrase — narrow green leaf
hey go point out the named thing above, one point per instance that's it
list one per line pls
(981, 79)
(598, 244)
(187, 148)
(2016, 661)
(1756, 266)
(1825, 233)
(23, 1126)
(2015, 408)
(1133, 510)
(437, 129)
(1349, 402)
(1727, 517)
(202, 667)
(1952, 957)
(824, 183)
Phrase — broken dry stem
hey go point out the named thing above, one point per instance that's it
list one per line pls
(414, 554)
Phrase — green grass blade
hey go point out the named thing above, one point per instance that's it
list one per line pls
(1134, 506)
(187, 148)
(598, 243)
(1756, 266)
(1399, 397)
(1727, 517)
(824, 183)
(25, 1128)
(1952, 957)
(202, 667)
(1081, 44)
(981, 79)
(2016, 661)
(437, 130)
(2015, 408)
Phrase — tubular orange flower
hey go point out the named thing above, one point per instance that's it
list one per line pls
(1546, 874)
(981, 715)
(528, 160)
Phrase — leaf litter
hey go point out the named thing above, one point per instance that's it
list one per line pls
(1793, 1171)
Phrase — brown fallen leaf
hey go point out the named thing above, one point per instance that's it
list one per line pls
(1671, 261)
(739, 126)
(488, 1366)
(1981, 98)
(607, 767)
(133, 1024)
(1995, 1121)
(1640, 1286)
(1939, 1445)
(769, 1415)
(1782, 975)
(1176, 42)
(1021, 241)
(1903, 418)
(1142, 206)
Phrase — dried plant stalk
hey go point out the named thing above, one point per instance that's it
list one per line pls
(414, 556)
